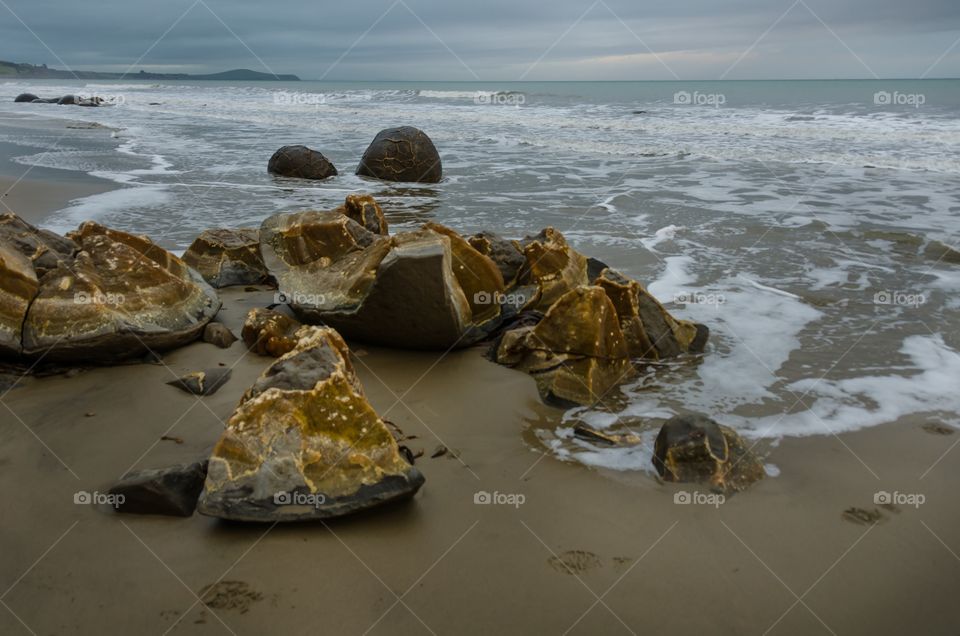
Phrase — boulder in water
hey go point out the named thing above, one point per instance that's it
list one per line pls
(402, 154)
(25, 97)
(300, 162)
(694, 448)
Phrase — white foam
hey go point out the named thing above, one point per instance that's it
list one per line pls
(854, 403)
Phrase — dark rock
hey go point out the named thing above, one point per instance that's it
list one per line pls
(25, 97)
(694, 448)
(304, 444)
(205, 382)
(228, 257)
(402, 154)
(300, 162)
(165, 491)
(504, 253)
(218, 334)
(68, 100)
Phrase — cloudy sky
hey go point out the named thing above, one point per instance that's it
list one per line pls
(493, 39)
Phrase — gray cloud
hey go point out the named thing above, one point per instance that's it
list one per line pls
(494, 40)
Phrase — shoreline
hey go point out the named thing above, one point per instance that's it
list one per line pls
(480, 563)
(641, 561)
(36, 192)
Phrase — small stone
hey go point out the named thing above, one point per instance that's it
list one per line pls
(218, 334)
(202, 382)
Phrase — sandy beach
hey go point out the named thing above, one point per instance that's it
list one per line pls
(780, 558)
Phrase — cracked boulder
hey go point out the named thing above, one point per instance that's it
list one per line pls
(18, 288)
(305, 444)
(694, 448)
(649, 329)
(577, 353)
(120, 296)
(425, 289)
(228, 257)
(552, 265)
(402, 154)
(45, 249)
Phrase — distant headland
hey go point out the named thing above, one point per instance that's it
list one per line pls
(30, 71)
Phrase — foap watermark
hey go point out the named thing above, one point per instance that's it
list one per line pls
(699, 298)
(696, 98)
(98, 298)
(495, 498)
(482, 98)
(899, 298)
(103, 99)
(896, 98)
(295, 98)
(284, 498)
(95, 498)
(298, 298)
(500, 298)
(896, 498)
(697, 498)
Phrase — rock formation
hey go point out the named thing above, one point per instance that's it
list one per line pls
(228, 257)
(305, 444)
(401, 154)
(300, 162)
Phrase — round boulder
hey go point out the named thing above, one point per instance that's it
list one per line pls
(402, 154)
(68, 99)
(25, 97)
(300, 162)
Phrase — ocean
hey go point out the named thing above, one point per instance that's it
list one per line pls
(807, 223)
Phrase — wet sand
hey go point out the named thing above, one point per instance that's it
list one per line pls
(460, 567)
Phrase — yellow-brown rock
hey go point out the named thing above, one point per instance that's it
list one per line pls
(425, 289)
(577, 353)
(227, 257)
(649, 329)
(269, 333)
(365, 210)
(18, 287)
(553, 265)
(305, 444)
(121, 296)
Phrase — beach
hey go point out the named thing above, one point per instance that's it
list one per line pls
(854, 529)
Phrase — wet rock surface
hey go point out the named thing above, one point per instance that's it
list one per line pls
(205, 382)
(269, 333)
(218, 334)
(300, 162)
(402, 154)
(694, 448)
(163, 491)
(305, 444)
(228, 257)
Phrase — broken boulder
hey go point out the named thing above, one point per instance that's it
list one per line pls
(228, 257)
(304, 443)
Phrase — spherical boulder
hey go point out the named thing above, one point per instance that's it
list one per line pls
(300, 162)
(402, 154)
(25, 97)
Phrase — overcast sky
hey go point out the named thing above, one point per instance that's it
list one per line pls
(497, 40)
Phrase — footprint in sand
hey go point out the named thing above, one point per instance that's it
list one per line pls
(229, 595)
(574, 561)
(865, 517)
(939, 429)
